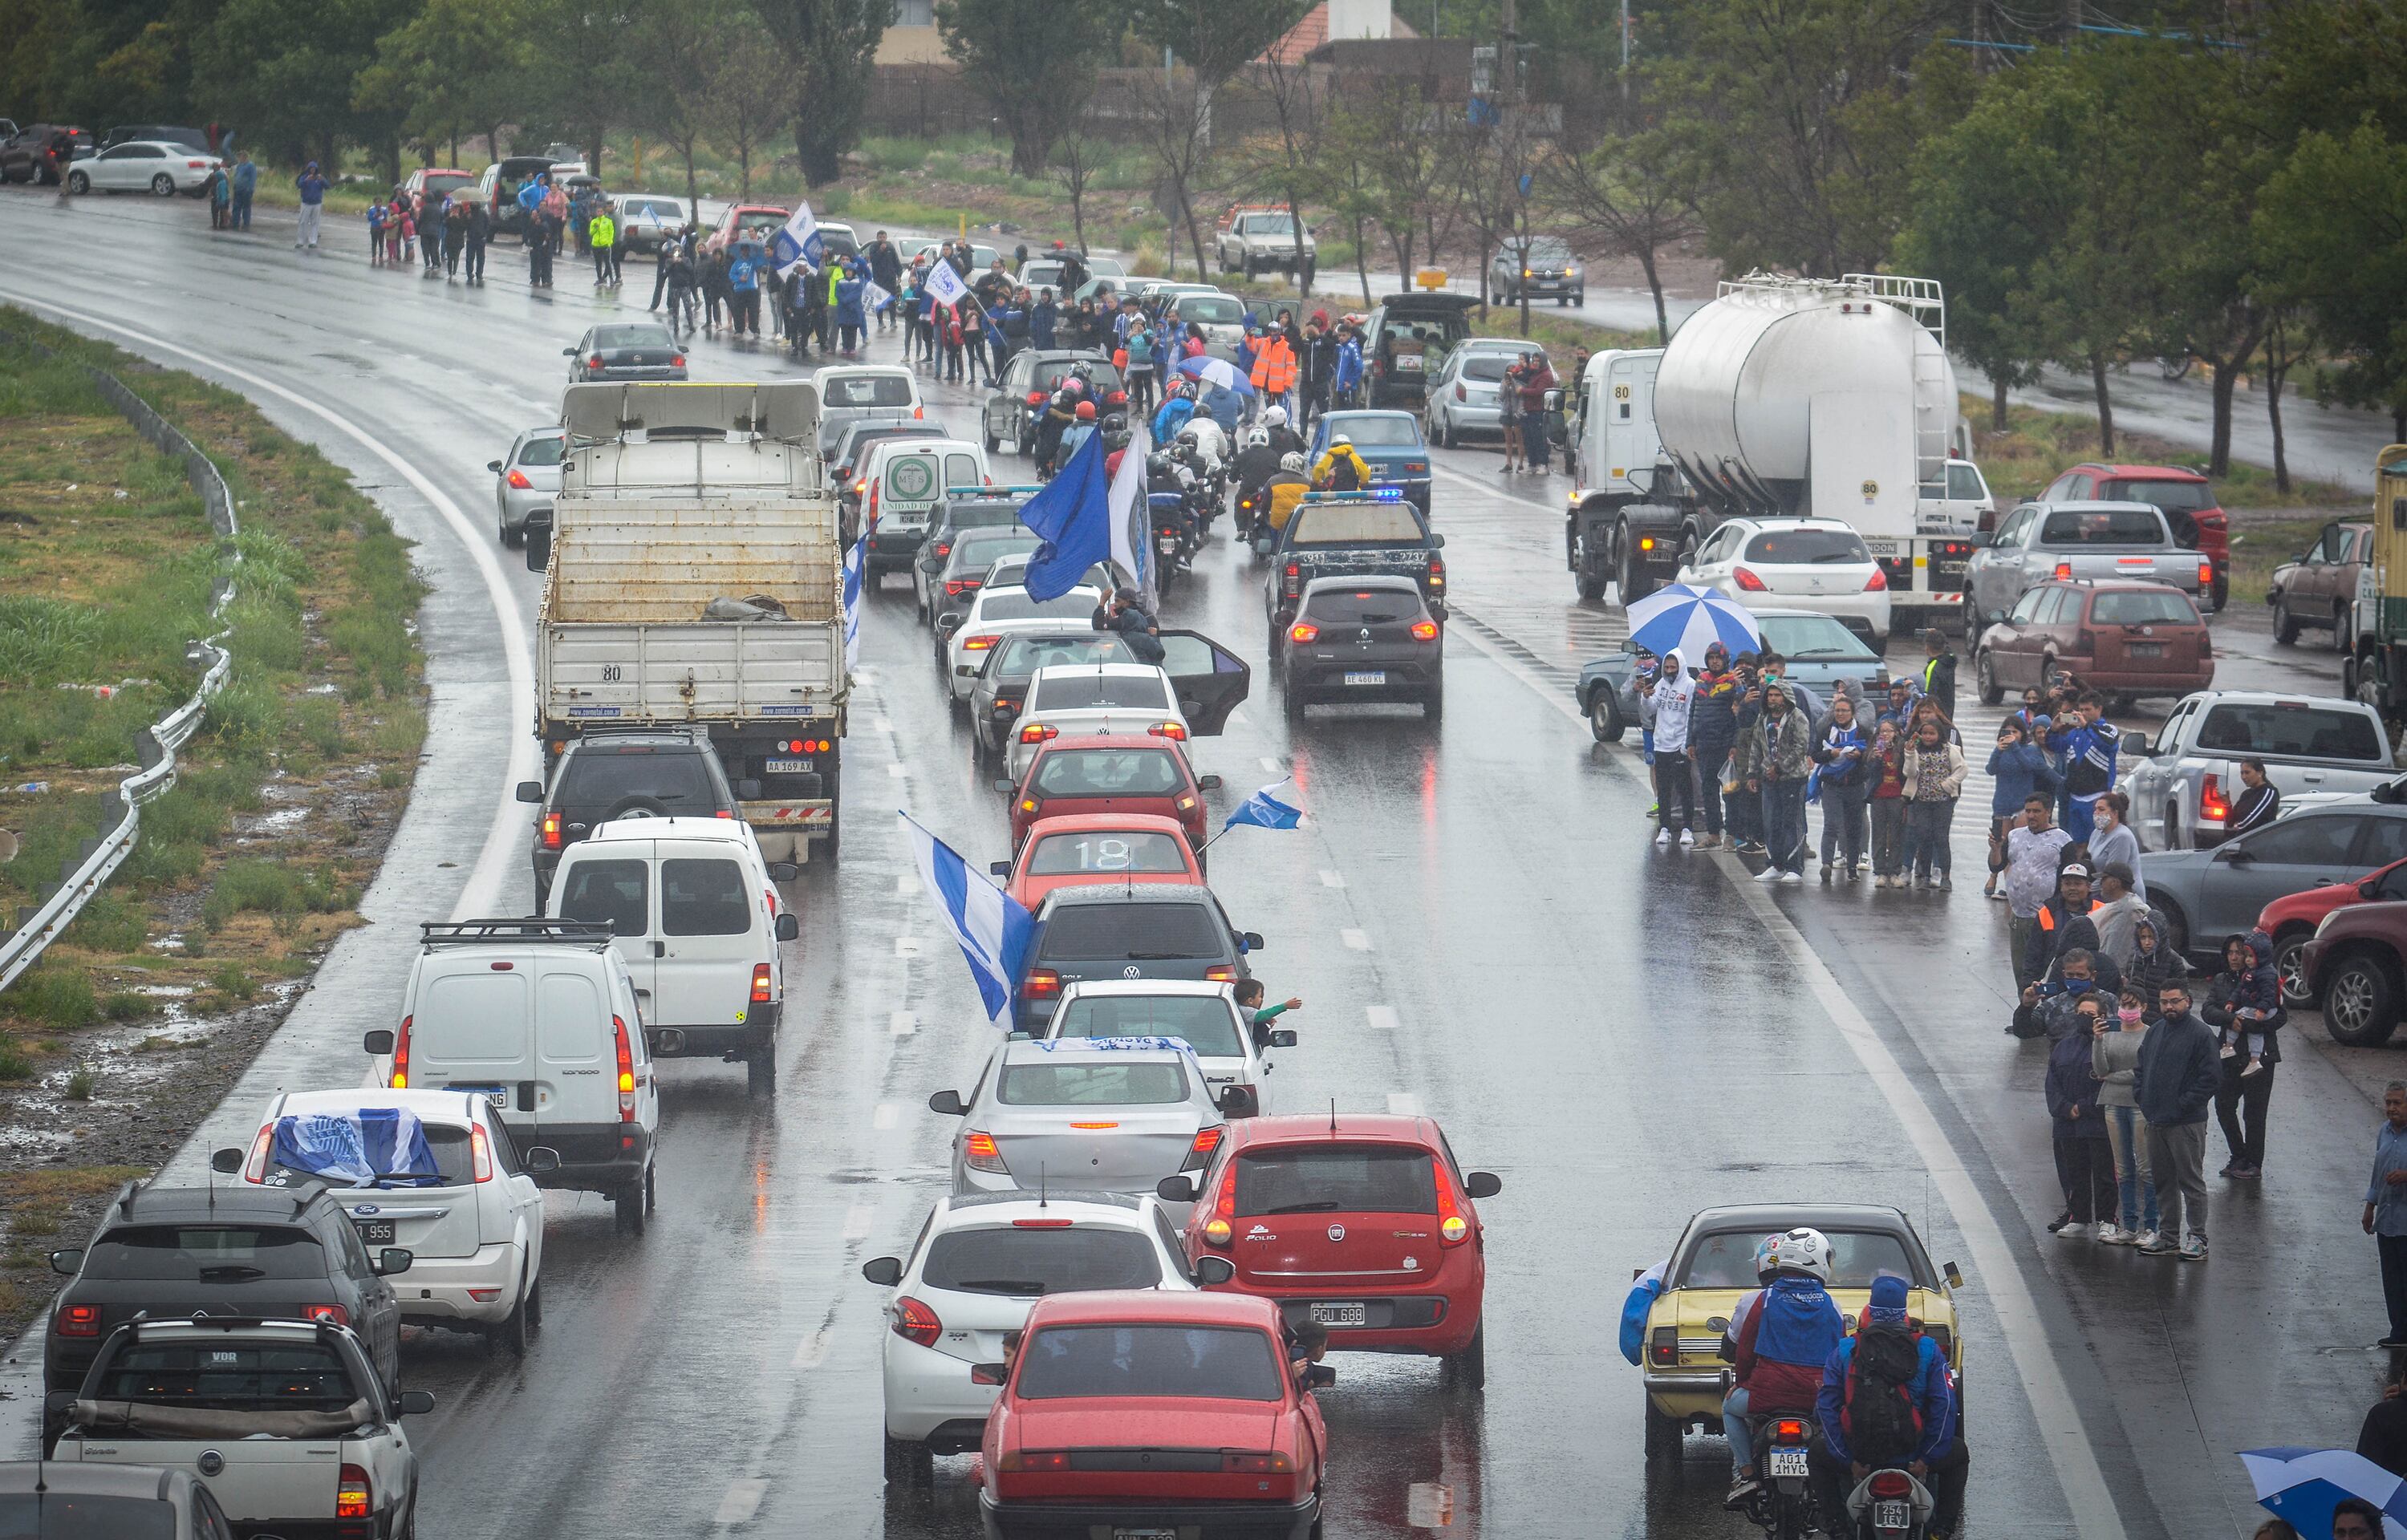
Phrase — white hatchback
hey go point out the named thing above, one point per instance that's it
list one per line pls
(1200, 1012)
(1818, 564)
(999, 610)
(981, 1263)
(1071, 700)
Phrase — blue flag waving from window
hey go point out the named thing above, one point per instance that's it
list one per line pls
(992, 927)
(1266, 808)
(1073, 516)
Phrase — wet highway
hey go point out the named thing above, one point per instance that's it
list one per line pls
(1477, 921)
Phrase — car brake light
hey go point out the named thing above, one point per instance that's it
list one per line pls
(1254, 1464)
(1891, 1484)
(1118, 398)
(1042, 984)
(626, 1070)
(676, 360)
(1424, 630)
(1663, 1346)
(955, 589)
(1459, 393)
(551, 830)
(916, 1322)
(858, 488)
(1223, 1223)
(1040, 1460)
(1304, 630)
(1221, 973)
(1200, 1153)
(1452, 1228)
(1174, 731)
(1879, 581)
(2212, 806)
(1036, 398)
(1040, 1224)
(2206, 574)
(1291, 579)
(519, 480)
(980, 1153)
(759, 983)
(480, 1154)
(353, 1497)
(196, 165)
(919, 412)
(2064, 571)
(1037, 732)
(978, 643)
(1437, 573)
(595, 362)
(399, 1079)
(872, 501)
(329, 1315)
(254, 1170)
(1749, 580)
(77, 1320)
(1788, 1430)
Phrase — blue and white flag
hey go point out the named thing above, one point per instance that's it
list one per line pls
(992, 927)
(797, 242)
(1132, 514)
(873, 298)
(946, 284)
(1074, 515)
(1266, 808)
(855, 563)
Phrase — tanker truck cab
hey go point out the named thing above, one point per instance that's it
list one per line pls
(1631, 521)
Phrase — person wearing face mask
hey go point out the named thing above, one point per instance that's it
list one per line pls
(2114, 1056)
(2047, 1009)
(2085, 1166)
(2112, 840)
(1840, 751)
(1775, 756)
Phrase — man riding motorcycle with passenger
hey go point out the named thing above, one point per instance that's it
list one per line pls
(1888, 1402)
(1784, 1337)
(1256, 463)
(1169, 487)
(1059, 412)
(1177, 409)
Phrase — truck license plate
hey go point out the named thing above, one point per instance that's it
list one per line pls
(1790, 1463)
(785, 766)
(1890, 1514)
(1367, 676)
(374, 1232)
(1881, 547)
(1119, 1534)
(1339, 1315)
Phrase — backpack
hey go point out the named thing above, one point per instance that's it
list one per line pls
(1882, 1419)
(1343, 478)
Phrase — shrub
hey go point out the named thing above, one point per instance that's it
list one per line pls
(109, 923)
(14, 1064)
(81, 1083)
(53, 995)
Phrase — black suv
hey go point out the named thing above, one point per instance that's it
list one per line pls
(961, 508)
(287, 1253)
(1364, 639)
(1162, 930)
(26, 155)
(637, 773)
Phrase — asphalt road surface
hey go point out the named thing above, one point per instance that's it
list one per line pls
(1473, 914)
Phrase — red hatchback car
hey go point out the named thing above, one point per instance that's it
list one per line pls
(1133, 1412)
(2291, 921)
(1081, 849)
(1361, 1222)
(1108, 773)
(2186, 498)
(2121, 636)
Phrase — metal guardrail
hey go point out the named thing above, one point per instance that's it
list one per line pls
(121, 809)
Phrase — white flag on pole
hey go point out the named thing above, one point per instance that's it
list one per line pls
(1132, 542)
(873, 299)
(946, 285)
(796, 242)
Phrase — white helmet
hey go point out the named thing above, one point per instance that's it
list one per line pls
(1274, 417)
(1258, 438)
(1291, 461)
(1800, 1251)
(1336, 439)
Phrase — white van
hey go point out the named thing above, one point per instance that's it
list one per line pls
(866, 392)
(907, 478)
(695, 915)
(539, 1017)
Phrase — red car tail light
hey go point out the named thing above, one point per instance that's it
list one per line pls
(480, 1154)
(958, 587)
(1223, 1223)
(518, 479)
(1437, 573)
(1036, 398)
(1424, 630)
(1172, 730)
(676, 360)
(1878, 583)
(1304, 630)
(1788, 1430)
(944, 549)
(1254, 1463)
(1118, 398)
(2213, 806)
(1292, 580)
(254, 1170)
(399, 1079)
(1749, 580)
(1200, 1153)
(1037, 732)
(1041, 1224)
(1042, 984)
(77, 1320)
(916, 1322)
(1891, 1484)
(1034, 1460)
(759, 983)
(595, 362)
(626, 1070)
(2064, 571)
(1221, 973)
(331, 1315)
(353, 1497)
(1663, 1347)
(980, 1153)
(1459, 393)
(551, 830)
(2206, 574)
(1453, 1229)
(979, 643)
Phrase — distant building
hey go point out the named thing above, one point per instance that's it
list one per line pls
(913, 39)
(1337, 20)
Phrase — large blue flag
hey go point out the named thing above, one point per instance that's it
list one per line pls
(992, 927)
(1074, 517)
(1267, 809)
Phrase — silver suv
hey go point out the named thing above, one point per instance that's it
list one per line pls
(1264, 241)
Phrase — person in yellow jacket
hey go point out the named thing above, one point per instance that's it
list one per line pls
(603, 233)
(1274, 369)
(1286, 489)
(1340, 468)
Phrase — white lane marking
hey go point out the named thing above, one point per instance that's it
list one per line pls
(483, 890)
(1332, 879)
(811, 1351)
(2077, 1473)
(902, 1024)
(1269, 764)
(906, 946)
(1355, 939)
(742, 1499)
(857, 1221)
(1403, 1104)
(1237, 717)
(1381, 1017)
(907, 886)
(887, 1115)
(898, 769)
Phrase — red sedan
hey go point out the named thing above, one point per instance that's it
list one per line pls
(1079, 849)
(1362, 1222)
(1141, 1412)
(1110, 773)
(2291, 921)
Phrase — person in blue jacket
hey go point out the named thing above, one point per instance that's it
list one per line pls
(2022, 768)
(1176, 410)
(1223, 405)
(1888, 1400)
(851, 319)
(1348, 377)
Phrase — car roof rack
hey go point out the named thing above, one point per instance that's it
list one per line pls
(515, 932)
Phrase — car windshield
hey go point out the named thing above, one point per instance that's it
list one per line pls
(1062, 1258)
(1106, 267)
(1807, 547)
(1814, 638)
(56, 1515)
(215, 1253)
(1204, 1021)
(1094, 1082)
(1022, 655)
(2102, 527)
(2289, 726)
(2174, 497)
(1108, 773)
(1725, 1259)
(997, 513)
(1215, 309)
(1353, 523)
(760, 219)
(1082, 692)
(867, 390)
(1015, 604)
(230, 1376)
(607, 779)
(1132, 932)
(1546, 253)
(545, 449)
(632, 336)
(1106, 853)
(1337, 1178)
(1386, 431)
(1192, 1362)
(2142, 607)
(1270, 224)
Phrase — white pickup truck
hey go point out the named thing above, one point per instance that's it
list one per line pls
(2183, 785)
(283, 1420)
(681, 506)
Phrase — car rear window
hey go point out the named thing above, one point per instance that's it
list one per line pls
(1050, 375)
(2142, 607)
(1082, 692)
(1204, 1021)
(1132, 932)
(546, 450)
(1815, 637)
(57, 1515)
(704, 896)
(965, 515)
(2101, 527)
(982, 549)
(867, 390)
(448, 1143)
(186, 1251)
(1093, 1083)
(1015, 604)
(608, 892)
(1106, 852)
(299, 1376)
(1337, 1178)
(632, 336)
(1206, 1363)
(1108, 773)
(1349, 523)
(1725, 1259)
(1211, 309)
(2285, 727)
(1484, 365)
(997, 1260)
(2173, 497)
(1807, 547)
(1381, 430)
(1025, 655)
(1364, 606)
(443, 184)
(603, 779)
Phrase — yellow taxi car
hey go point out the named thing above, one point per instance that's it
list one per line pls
(1712, 1269)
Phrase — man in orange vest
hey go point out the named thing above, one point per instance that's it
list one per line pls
(1274, 369)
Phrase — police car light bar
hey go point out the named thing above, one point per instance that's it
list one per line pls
(1384, 494)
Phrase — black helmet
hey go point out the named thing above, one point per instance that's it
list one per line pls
(1157, 463)
(1083, 371)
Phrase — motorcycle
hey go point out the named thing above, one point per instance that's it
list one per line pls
(1890, 1505)
(1171, 543)
(1783, 1506)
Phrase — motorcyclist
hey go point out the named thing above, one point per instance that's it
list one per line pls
(1054, 420)
(1123, 611)
(1340, 468)
(1177, 410)
(1785, 1338)
(1888, 1400)
(1257, 461)
(1284, 439)
(1166, 478)
(1079, 431)
(1283, 491)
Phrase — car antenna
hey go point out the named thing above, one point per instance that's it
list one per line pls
(1332, 1117)
(1040, 1184)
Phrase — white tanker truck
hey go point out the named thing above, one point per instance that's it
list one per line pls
(1784, 397)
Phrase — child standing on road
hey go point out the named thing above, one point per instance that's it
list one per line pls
(376, 234)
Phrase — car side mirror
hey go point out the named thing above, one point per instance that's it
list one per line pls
(1283, 1038)
(948, 1103)
(494, 466)
(2136, 743)
(1175, 1189)
(57, 1403)
(2237, 855)
(417, 1402)
(784, 871)
(1483, 1184)
(747, 791)
(668, 1040)
(789, 928)
(1319, 1377)
(393, 1260)
(225, 1163)
(1238, 1101)
(529, 791)
(1253, 939)
(378, 1042)
(1208, 783)
(1954, 1279)
(68, 1263)
(886, 1272)
(988, 1374)
(1554, 401)
(1979, 537)
(1437, 543)
(1212, 1272)
(1007, 786)
(568, 352)
(541, 1160)
(949, 620)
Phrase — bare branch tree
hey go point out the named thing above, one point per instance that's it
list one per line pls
(1074, 165)
(1635, 193)
(1173, 114)
(1288, 163)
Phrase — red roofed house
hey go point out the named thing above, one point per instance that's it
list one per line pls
(1337, 21)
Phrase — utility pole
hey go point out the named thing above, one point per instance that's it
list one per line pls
(1508, 98)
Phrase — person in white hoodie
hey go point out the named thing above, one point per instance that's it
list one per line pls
(1663, 706)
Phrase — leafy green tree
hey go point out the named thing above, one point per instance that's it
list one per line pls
(456, 66)
(283, 72)
(1037, 75)
(827, 46)
(2332, 224)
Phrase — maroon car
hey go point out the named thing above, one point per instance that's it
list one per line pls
(2121, 636)
(2357, 964)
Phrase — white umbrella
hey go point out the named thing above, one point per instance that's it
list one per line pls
(1220, 372)
(1677, 618)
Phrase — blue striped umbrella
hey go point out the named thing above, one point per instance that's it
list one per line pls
(2303, 1487)
(1676, 619)
(1220, 372)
